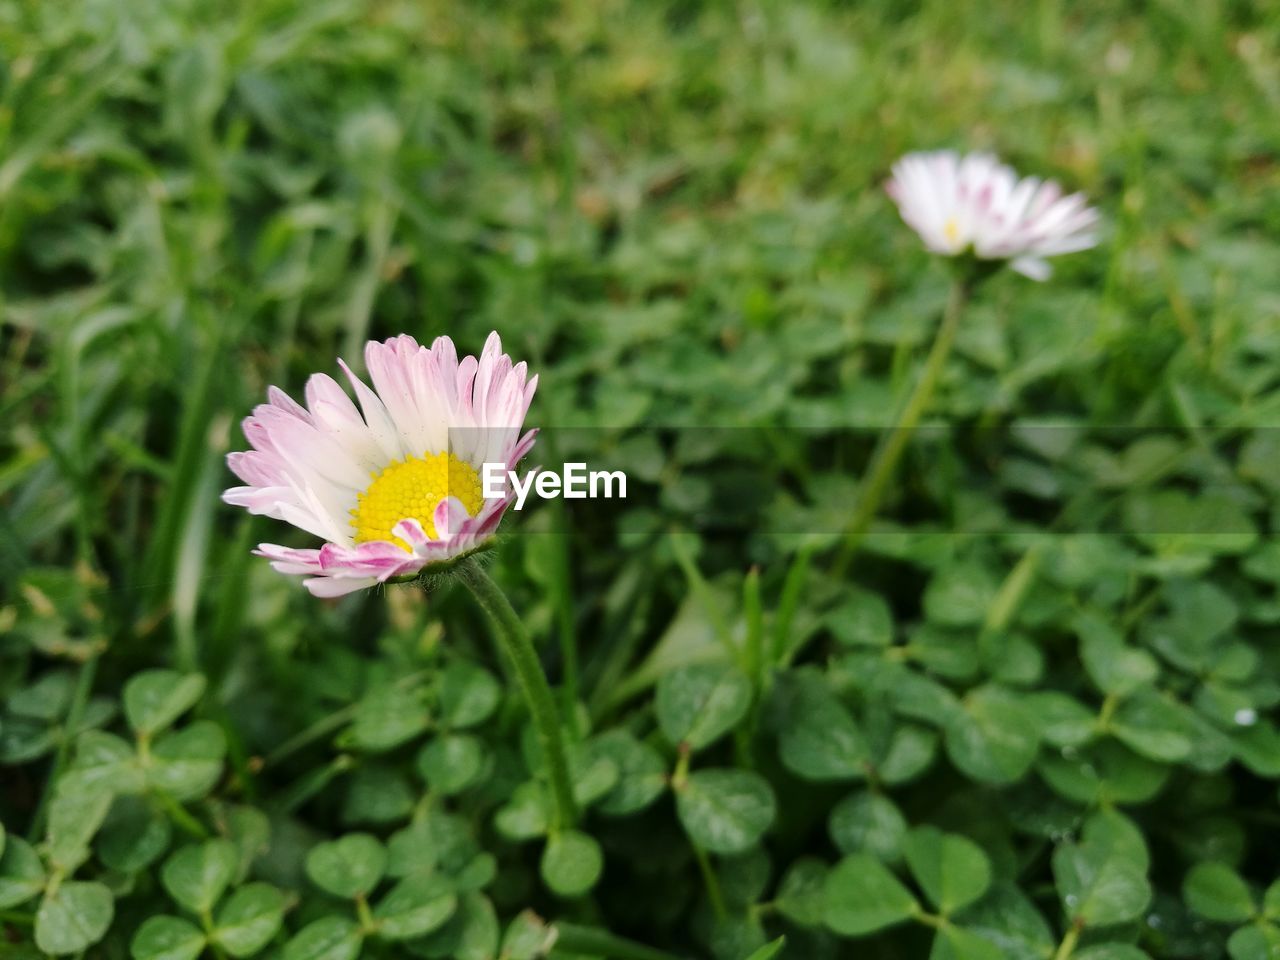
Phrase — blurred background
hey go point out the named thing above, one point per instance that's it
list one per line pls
(672, 210)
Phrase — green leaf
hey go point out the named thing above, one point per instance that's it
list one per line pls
(347, 867)
(1173, 523)
(952, 870)
(571, 863)
(1103, 773)
(103, 762)
(154, 699)
(957, 943)
(23, 740)
(476, 875)
(1217, 892)
(1102, 880)
(1113, 829)
(74, 918)
(1113, 665)
(592, 774)
(524, 816)
(249, 919)
(472, 933)
(769, 950)
(527, 937)
(863, 896)
(414, 848)
(642, 773)
(1270, 899)
(910, 753)
(387, 717)
(801, 896)
(452, 762)
(1152, 726)
(726, 811)
(1011, 658)
(994, 739)
(468, 695)
(944, 653)
(697, 705)
(166, 938)
(959, 595)
(74, 818)
(1255, 942)
(1007, 918)
(21, 873)
(329, 938)
(866, 822)
(819, 739)
(416, 906)
(911, 693)
(187, 764)
(1064, 721)
(197, 875)
(862, 620)
(1258, 748)
(133, 836)
(378, 794)
(249, 829)
(1110, 951)
(47, 699)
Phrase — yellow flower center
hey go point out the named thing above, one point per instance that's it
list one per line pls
(413, 487)
(951, 230)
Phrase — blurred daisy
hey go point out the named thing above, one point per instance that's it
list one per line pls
(394, 486)
(977, 204)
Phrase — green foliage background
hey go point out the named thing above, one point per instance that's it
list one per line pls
(1035, 719)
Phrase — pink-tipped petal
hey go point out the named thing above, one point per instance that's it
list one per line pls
(309, 465)
(977, 204)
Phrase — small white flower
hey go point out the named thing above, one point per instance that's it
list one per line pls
(977, 204)
(394, 486)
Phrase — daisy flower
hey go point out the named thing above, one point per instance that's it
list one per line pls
(976, 204)
(394, 486)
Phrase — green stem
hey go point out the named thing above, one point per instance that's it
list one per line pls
(368, 925)
(711, 881)
(1068, 945)
(542, 705)
(788, 604)
(181, 816)
(295, 795)
(892, 444)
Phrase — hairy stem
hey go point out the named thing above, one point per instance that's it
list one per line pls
(893, 443)
(514, 638)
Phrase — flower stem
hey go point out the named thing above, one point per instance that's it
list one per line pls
(542, 706)
(1068, 945)
(892, 444)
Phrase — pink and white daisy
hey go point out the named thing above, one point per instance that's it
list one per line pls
(394, 486)
(977, 204)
